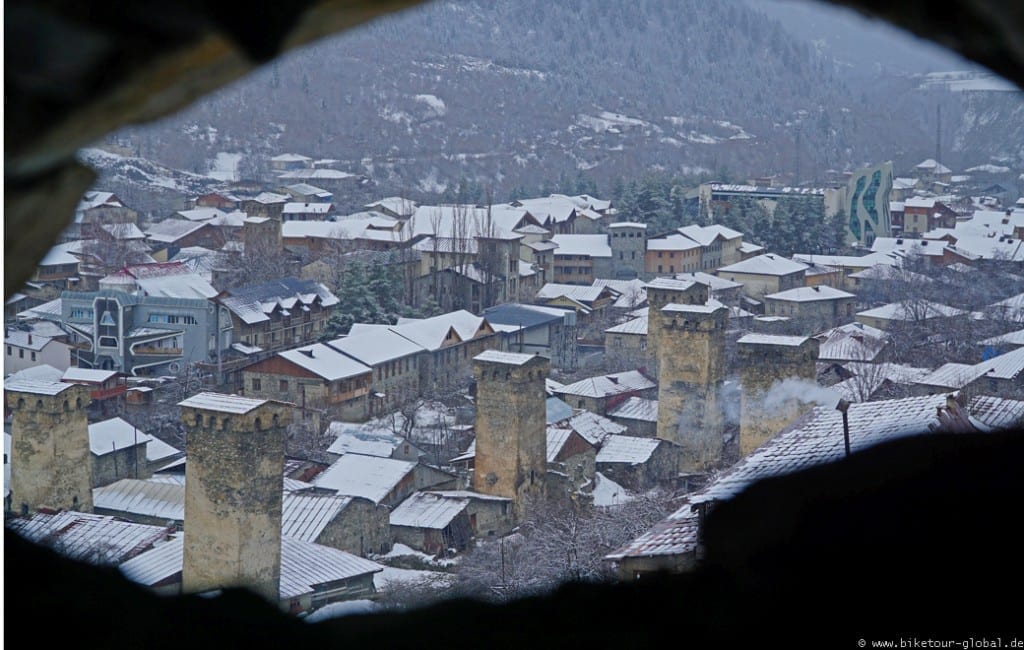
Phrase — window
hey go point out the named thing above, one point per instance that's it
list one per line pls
(33, 356)
(82, 313)
(282, 385)
(9, 351)
(21, 354)
(108, 342)
(256, 384)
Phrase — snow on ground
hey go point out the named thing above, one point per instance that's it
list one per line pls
(435, 103)
(609, 493)
(959, 80)
(608, 122)
(989, 169)
(392, 577)
(225, 166)
(343, 608)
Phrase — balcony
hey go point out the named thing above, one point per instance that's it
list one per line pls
(155, 351)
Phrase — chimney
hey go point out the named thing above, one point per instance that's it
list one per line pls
(614, 380)
(308, 353)
(30, 338)
(817, 288)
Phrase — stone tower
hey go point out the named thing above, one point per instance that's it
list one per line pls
(775, 371)
(662, 292)
(51, 465)
(691, 356)
(628, 242)
(511, 426)
(233, 493)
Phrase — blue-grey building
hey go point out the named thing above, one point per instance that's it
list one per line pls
(143, 334)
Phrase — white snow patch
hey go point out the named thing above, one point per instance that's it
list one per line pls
(393, 577)
(989, 169)
(671, 141)
(699, 138)
(225, 166)
(431, 183)
(608, 122)
(434, 103)
(343, 608)
(392, 114)
(609, 493)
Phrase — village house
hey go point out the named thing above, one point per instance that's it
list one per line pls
(96, 209)
(305, 211)
(765, 274)
(265, 204)
(821, 303)
(626, 344)
(923, 214)
(450, 340)
(846, 266)
(852, 342)
(395, 361)
(571, 458)
(169, 236)
(377, 441)
(638, 463)
(317, 378)
(489, 515)
(532, 329)
(346, 523)
(590, 303)
(307, 193)
(671, 254)
(312, 575)
(23, 349)
(579, 259)
(431, 523)
(599, 393)
(384, 481)
(278, 314)
(638, 415)
(674, 543)
(907, 312)
(120, 450)
(221, 200)
(722, 290)
(999, 376)
(395, 206)
(88, 537)
(290, 161)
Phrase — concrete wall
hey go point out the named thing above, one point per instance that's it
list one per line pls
(50, 457)
(54, 353)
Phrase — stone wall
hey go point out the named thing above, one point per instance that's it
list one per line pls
(128, 462)
(51, 465)
(361, 528)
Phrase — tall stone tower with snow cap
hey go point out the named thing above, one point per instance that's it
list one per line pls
(691, 360)
(51, 464)
(511, 426)
(662, 292)
(777, 373)
(233, 493)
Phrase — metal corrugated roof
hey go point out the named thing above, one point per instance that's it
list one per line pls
(369, 477)
(209, 401)
(636, 408)
(161, 499)
(426, 510)
(92, 538)
(304, 516)
(627, 449)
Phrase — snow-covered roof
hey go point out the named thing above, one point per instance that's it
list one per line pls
(375, 347)
(1010, 338)
(911, 310)
(607, 385)
(919, 202)
(627, 225)
(593, 427)
(42, 372)
(580, 293)
(362, 439)
(715, 282)
(324, 361)
(170, 280)
(556, 439)
(62, 254)
(87, 375)
(466, 221)
(851, 342)
(305, 189)
(316, 175)
(395, 204)
(158, 499)
(209, 401)
(268, 198)
(430, 333)
(810, 294)
(850, 261)
(706, 235)
(369, 477)
(676, 308)
(110, 435)
(36, 386)
(87, 537)
(750, 247)
(171, 230)
(254, 303)
(428, 510)
(636, 408)
(123, 230)
(295, 207)
(557, 207)
(672, 243)
(304, 565)
(200, 214)
(995, 413)
(291, 157)
(772, 339)
(26, 340)
(583, 245)
(672, 284)
(304, 516)
(934, 166)
(767, 264)
(635, 326)
(95, 199)
(627, 449)
(507, 358)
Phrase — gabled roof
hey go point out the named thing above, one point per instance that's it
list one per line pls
(296, 207)
(369, 477)
(430, 333)
(636, 408)
(583, 245)
(767, 264)
(706, 235)
(353, 439)
(169, 231)
(911, 310)
(27, 340)
(163, 500)
(637, 326)
(374, 347)
(169, 280)
(36, 386)
(525, 316)
(713, 281)
(305, 516)
(325, 362)
(222, 403)
(810, 294)
(593, 427)
(464, 221)
(576, 292)
(87, 537)
(608, 385)
(255, 302)
(672, 243)
(627, 449)
(200, 214)
(110, 435)
(426, 510)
